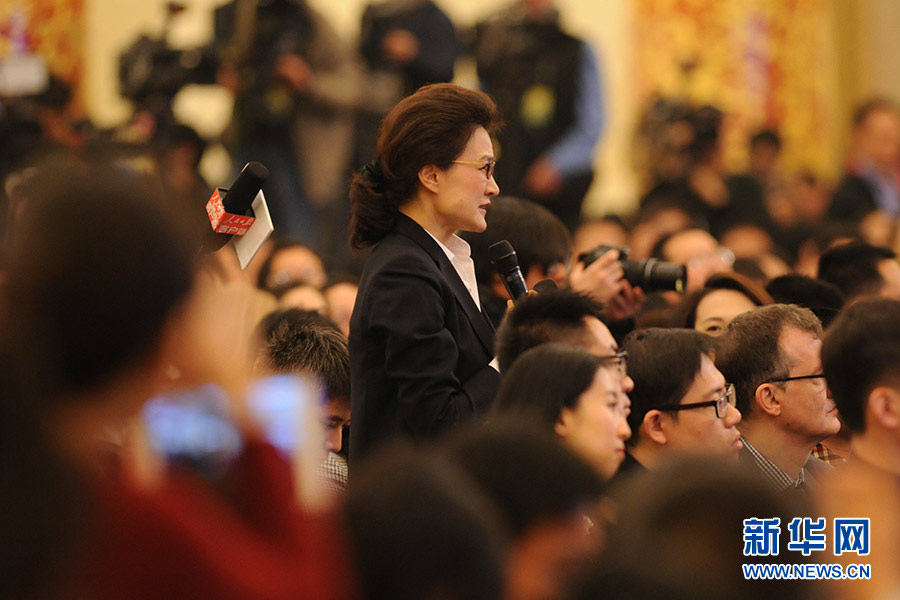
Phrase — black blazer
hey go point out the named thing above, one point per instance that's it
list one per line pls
(419, 346)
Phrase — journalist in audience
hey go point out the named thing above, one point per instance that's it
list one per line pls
(681, 403)
(724, 296)
(573, 393)
(860, 270)
(564, 317)
(771, 355)
(420, 343)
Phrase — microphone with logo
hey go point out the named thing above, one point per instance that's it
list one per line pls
(504, 259)
(236, 200)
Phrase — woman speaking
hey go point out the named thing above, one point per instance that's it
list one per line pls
(420, 346)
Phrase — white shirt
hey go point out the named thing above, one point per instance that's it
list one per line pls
(460, 254)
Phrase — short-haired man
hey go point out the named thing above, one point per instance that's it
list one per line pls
(699, 251)
(861, 360)
(771, 355)
(306, 343)
(563, 317)
(861, 270)
(543, 245)
(680, 404)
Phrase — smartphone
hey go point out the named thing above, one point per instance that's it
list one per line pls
(192, 428)
(283, 406)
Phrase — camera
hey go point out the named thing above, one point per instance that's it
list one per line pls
(650, 275)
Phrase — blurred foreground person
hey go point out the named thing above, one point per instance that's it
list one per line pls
(549, 499)
(678, 536)
(113, 323)
(861, 360)
(421, 529)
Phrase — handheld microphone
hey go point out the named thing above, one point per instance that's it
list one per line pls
(237, 200)
(545, 285)
(504, 259)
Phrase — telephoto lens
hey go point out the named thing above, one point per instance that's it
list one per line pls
(651, 275)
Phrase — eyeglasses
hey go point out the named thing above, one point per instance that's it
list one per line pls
(721, 403)
(487, 166)
(619, 360)
(795, 378)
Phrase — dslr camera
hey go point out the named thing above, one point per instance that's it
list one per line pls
(650, 275)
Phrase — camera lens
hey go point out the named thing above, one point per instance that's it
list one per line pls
(654, 275)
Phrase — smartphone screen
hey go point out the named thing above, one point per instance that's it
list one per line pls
(282, 405)
(192, 428)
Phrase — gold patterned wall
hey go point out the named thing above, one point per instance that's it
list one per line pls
(763, 62)
(52, 28)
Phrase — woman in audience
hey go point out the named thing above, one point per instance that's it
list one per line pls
(725, 296)
(574, 393)
(420, 345)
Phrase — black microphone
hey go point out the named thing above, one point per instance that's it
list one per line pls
(504, 259)
(237, 201)
(545, 285)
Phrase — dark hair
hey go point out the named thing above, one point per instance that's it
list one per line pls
(544, 380)
(529, 474)
(659, 248)
(537, 235)
(707, 124)
(551, 316)
(99, 261)
(853, 268)
(430, 127)
(747, 352)
(767, 137)
(749, 267)
(266, 268)
(663, 364)
(686, 314)
(821, 297)
(176, 135)
(44, 502)
(420, 528)
(695, 503)
(298, 340)
(863, 110)
(861, 351)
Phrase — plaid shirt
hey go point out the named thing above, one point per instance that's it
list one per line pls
(333, 472)
(828, 455)
(772, 473)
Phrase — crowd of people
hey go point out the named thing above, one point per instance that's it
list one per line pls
(705, 385)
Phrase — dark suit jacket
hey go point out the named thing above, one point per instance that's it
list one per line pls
(419, 346)
(853, 199)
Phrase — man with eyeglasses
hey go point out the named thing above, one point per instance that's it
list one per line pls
(564, 317)
(772, 355)
(680, 404)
